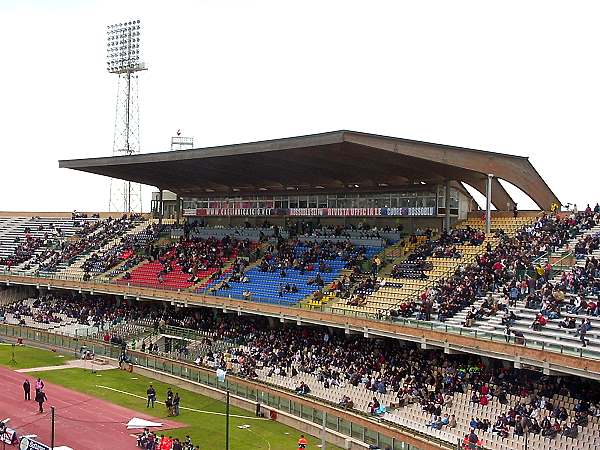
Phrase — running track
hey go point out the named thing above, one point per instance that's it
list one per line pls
(82, 422)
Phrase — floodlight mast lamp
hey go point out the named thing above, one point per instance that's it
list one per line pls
(123, 52)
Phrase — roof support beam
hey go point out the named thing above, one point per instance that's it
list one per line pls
(447, 206)
(501, 200)
(514, 169)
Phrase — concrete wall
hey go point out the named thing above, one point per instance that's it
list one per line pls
(10, 294)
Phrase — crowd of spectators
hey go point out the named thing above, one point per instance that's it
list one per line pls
(500, 268)
(445, 246)
(427, 378)
(360, 230)
(96, 311)
(126, 249)
(414, 268)
(34, 250)
(150, 440)
(195, 256)
(25, 249)
(308, 256)
(576, 292)
(587, 245)
(416, 264)
(90, 239)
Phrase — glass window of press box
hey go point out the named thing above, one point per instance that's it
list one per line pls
(347, 200)
(441, 200)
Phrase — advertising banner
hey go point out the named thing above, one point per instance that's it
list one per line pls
(30, 444)
(310, 212)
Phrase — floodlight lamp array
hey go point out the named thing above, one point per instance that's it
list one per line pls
(123, 47)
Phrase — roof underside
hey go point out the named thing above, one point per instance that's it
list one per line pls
(331, 161)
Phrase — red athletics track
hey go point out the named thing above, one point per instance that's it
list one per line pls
(82, 422)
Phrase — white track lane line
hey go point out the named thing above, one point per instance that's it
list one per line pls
(181, 407)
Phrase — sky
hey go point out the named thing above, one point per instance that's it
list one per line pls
(505, 76)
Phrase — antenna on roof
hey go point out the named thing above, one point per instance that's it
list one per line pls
(180, 142)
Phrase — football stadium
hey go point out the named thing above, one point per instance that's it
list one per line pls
(335, 290)
(347, 287)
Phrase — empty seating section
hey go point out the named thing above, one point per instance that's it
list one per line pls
(252, 234)
(280, 279)
(509, 225)
(147, 275)
(371, 237)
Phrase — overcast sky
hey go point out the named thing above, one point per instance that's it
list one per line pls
(506, 76)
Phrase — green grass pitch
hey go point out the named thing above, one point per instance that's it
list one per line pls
(205, 429)
(28, 357)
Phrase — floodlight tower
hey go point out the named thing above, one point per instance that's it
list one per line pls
(124, 59)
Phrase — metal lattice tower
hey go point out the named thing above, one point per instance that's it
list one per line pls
(124, 60)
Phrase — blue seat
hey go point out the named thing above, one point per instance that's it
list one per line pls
(264, 286)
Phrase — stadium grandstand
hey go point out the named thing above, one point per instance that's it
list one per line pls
(347, 283)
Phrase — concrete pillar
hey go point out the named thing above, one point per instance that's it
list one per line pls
(447, 209)
(160, 206)
(488, 203)
(177, 208)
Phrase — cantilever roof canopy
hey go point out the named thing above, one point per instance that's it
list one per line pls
(333, 161)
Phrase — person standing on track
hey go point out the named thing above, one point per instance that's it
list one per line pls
(27, 389)
(40, 398)
(169, 402)
(176, 401)
(302, 442)
(39, 385)
(151, 394)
